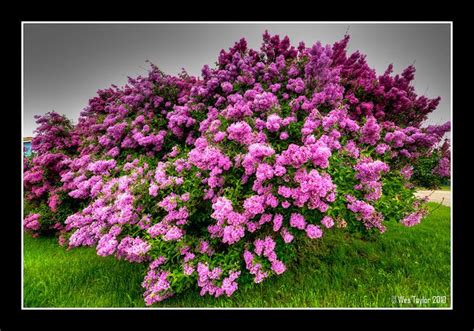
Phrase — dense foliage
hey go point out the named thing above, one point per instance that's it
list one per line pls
(212, 181)
(433, 170)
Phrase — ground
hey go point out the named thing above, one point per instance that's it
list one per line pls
(440, 196)
(404, 264)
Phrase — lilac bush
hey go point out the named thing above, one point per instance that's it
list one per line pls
(212, 181)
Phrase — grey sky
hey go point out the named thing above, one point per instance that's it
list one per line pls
(65, 64)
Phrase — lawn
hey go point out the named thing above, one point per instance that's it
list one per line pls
(445, 188)
(337, 271)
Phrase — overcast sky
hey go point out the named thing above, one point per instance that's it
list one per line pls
(65, 64)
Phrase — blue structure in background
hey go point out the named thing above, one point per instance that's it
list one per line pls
(27, 146)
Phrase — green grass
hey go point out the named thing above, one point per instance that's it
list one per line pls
(337, 271)
(445, 188)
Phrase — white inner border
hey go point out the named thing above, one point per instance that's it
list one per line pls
(236, 22)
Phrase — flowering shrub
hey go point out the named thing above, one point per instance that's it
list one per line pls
(212, 181)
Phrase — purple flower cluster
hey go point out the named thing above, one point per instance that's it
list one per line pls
(407, 172)
(31, 222)
(328, 222)
(443, 169)
(314, 189)
(208, 279)
(314, 231)
(413, 218)
(240, 132)
(297, 221)
(156, 285)
(365, 213)
(133, 250)
(230, 225)
(263, 248)
(274, 122)
(369, 172)
(296, 85)
(101, 167)
(107, 245)
(370, 131)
